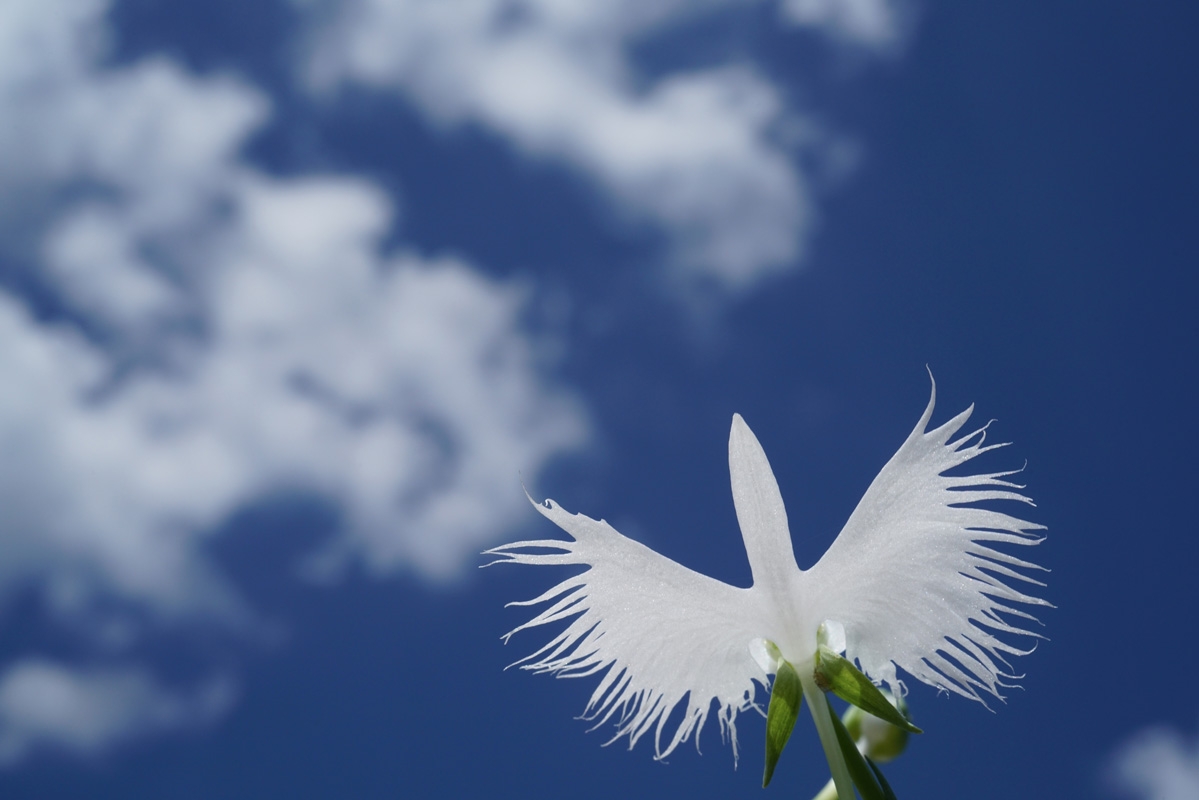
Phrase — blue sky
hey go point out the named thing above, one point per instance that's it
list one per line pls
(295, 294)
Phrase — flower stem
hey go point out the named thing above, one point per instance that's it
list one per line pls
(818, 705)
(829, 792)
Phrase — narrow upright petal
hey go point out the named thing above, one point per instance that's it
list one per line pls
(915, 577)
(761, 515)
(661, 631)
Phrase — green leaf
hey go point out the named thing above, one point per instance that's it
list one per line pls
(785, 698)
(859, 770)
(838, 675)
(878, 773)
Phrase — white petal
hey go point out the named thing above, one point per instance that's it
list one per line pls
(761, 515)
(659, 629)
(914, 577)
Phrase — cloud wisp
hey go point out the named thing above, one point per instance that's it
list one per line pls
(706, 155)
(87, 711)
(1157, 764)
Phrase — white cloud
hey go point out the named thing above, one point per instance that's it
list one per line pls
(413, 388)
(47, 706)
(225, 335)
(262, 340)
(871, 23)
(699, 153)
(1158, 764)
(84, 493)
(92, 255)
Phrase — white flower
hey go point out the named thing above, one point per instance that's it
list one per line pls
(914, 581)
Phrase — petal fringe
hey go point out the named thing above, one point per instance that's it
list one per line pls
(662, 634)
(916, 577)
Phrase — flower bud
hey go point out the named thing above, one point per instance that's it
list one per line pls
(878, 739)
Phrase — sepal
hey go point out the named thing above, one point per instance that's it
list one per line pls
(837, 674)
(786, 696)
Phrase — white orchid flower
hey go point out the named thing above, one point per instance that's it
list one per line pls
(913, 581)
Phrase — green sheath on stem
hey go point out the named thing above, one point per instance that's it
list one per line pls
(861, 770)
(838, 675)
(785, 698)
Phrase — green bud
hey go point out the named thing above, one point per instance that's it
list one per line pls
(878, 739)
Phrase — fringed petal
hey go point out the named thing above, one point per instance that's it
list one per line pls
(915, 576)
(664, 634)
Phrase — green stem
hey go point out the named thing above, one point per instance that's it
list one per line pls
(818, 705)
(829, 792)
